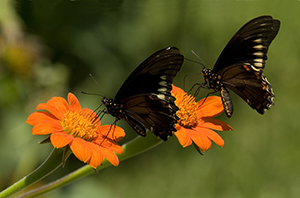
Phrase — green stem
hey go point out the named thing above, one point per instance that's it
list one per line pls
(132, 148)
(53, 161)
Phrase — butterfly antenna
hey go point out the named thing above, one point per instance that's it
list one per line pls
(202, 61)
(93, 94)
(193, 61)
(97, 85)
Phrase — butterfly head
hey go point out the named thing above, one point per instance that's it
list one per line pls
(212, 80)
(113, 108)
(205, 71)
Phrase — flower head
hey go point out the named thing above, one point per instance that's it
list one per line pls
(195, 120)
(70, 125)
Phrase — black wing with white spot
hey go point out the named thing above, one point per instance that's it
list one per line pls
(240, 66)
(250, 44)
(144, 100)
(154, 75)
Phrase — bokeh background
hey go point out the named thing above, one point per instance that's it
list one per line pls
(49, 47)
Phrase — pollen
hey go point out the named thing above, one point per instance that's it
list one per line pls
(79, 124)
(187, 112)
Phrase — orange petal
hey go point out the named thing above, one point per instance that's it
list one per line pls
(212, 135)
(57, 106)
(93, 115)
(110, 156)
(176, 90)
(200, 139)
(211, 107)
(215, 124)
(45, 128)
(110, 144)
(117, 149)
(182, 136)
(60, 139)
(38, 117)
(81, 149)
(96, 158)
(73, 102)
(112, 132)
(42, 106)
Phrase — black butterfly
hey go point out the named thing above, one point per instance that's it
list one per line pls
(240, 66)
(145, 99)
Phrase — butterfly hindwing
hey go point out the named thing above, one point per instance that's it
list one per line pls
(251, 85)
(153, 113)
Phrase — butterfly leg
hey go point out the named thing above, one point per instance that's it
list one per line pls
(196, 84)
(202, 85)
(112, 125)
(207, 96)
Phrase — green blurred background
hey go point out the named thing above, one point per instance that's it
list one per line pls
(48, 48)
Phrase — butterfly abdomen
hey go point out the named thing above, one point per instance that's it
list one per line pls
(226, 100)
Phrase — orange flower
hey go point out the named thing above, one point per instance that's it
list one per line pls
(70, 125)
(195, 120)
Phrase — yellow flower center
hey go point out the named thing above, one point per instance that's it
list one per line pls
(80, 124)
(187, 112)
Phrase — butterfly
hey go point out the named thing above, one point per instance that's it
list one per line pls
(144, 100)
(240, 66)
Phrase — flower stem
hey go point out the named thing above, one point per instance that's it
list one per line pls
(53, 161)
(132, 148)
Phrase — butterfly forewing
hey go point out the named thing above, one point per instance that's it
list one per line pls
(145, 99)
(161, 67)
(250, 44)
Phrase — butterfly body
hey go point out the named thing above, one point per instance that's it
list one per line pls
(144, 100)
(240, 66)
(113, 108)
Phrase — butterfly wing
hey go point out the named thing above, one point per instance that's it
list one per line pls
(250, 44)
(149, 111)
(241, 64)
(250, 84)
(146, 94)
(156, 72)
